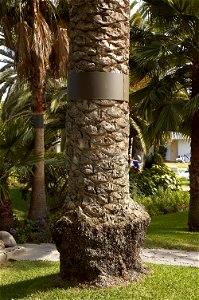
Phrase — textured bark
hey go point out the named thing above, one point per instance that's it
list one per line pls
(193, 219)
(100, 235)
(38, 207)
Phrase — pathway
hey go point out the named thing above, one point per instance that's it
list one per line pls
(47, 251)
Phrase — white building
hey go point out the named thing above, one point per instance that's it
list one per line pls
(178, 146)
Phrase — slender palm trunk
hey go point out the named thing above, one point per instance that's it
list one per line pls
(100, 235)
(38, 207)
(193, 219)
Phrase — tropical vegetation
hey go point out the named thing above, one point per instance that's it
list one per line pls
(16, 158)
(164, 57)
(96, 219)
(149, 181)
(39, 45)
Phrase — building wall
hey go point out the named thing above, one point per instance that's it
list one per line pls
(168, 153)
(177, 147)
(184, 147)
(174, 150)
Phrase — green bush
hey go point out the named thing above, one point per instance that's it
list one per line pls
(55, 179)
(164, 202)
(154, 159)
(151, 180)
(28, 231)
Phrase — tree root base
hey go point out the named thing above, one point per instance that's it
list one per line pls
(103, 254)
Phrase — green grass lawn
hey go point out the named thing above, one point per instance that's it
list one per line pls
(170, 231)
(37, 281)
(176, 165)
(20, 205)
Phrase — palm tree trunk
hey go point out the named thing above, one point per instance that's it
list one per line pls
(38, 207)
(100, 235)
(193, 218)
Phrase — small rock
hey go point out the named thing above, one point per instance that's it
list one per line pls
(7, 238)
(15, 252)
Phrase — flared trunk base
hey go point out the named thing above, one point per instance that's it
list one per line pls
(101, 254)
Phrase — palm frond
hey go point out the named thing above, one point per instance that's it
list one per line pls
(192, 107)
(23, 45)
(17, 102)
(137, 136)
(60, 51)
(41, 37)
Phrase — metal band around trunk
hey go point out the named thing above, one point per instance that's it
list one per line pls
(98, 86)
(38, 121)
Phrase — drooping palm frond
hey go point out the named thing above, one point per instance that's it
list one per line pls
(41, 39)
(136, 131)
(59, 54)
(23, 44)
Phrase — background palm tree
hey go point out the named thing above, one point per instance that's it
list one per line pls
(38, 42)
(165, 53)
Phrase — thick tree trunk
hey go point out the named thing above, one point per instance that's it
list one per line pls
(193, 219)
(100, 235)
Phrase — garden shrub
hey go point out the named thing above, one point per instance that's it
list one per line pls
(164, 202)
(159, 190)
(154, 159)
(55, 179)
(28, 231)
(150, 180)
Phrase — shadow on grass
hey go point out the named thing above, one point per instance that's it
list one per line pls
(24, 288)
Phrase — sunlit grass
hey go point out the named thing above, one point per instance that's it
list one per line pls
(176, 164)
(171, 231)
(37, 281)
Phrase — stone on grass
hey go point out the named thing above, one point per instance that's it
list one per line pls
(7, 238)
